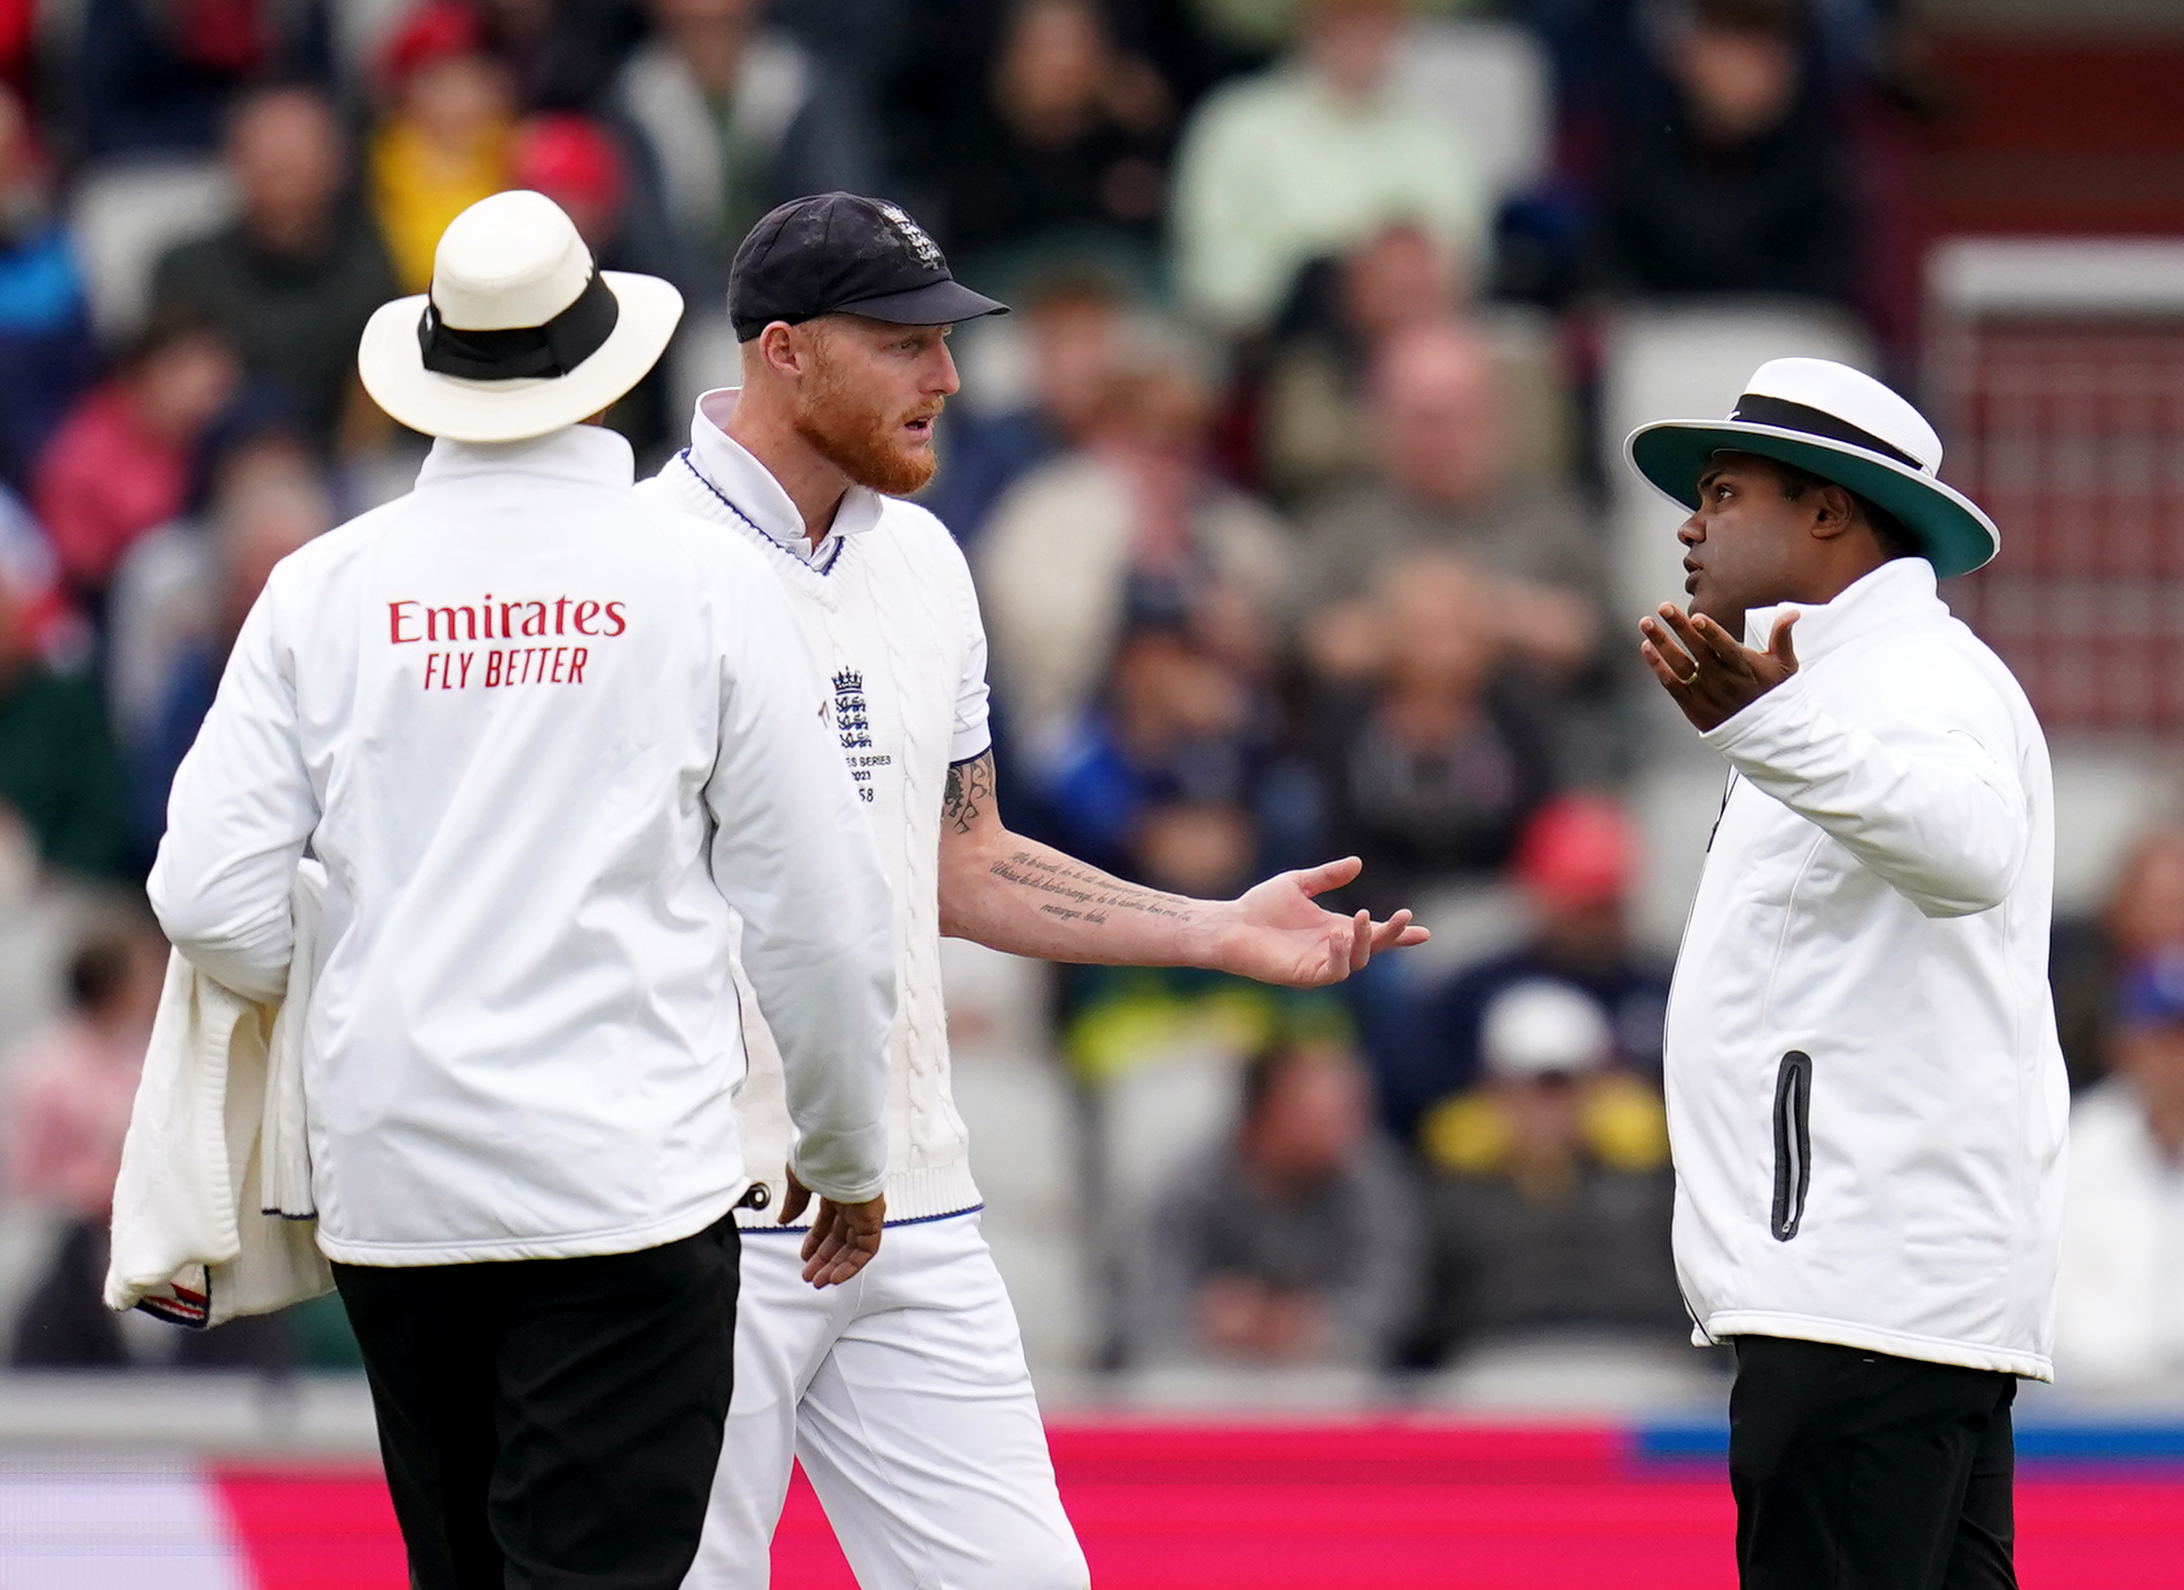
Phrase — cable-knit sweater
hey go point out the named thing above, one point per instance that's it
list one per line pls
(887, 603)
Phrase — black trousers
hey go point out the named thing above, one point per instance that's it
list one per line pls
(551, 1424)
(1861, 1471)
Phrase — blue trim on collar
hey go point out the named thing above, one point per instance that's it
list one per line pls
(690, 464)
(885, 1225)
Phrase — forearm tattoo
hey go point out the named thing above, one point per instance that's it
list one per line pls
(969, 792)
(1086, 894)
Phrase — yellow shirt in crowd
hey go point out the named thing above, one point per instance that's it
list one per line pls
(417, 187)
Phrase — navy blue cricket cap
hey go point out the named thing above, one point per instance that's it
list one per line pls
(841, 253)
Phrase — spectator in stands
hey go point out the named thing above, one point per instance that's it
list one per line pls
(156, 76)
(2142, 918)
(68, 1095)
(1137, 515)
(47, 358)
(165, 596)
(443, 144)
(564, 53)
(1309, 159)
(2120, 1308)
(1434, 765)
(1201, 840)
(1256, 27)
(18, 45)
(1073, 322)
(735, 117)
(265, 499)
(119, 464)
(53, 627)
(1576, 864)
(1441, 414)
(1069, 139)
(1316, 428)
(1291, 1243)
(1178, 728)
(291, 282)
(69, 1090)
(1551, 1193)
(58, 772)
(576, 162)
(1743, 186)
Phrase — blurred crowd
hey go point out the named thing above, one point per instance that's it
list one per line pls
(1281, 491)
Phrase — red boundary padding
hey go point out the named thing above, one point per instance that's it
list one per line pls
(1282, 1507)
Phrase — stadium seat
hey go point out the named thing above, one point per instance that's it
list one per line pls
(126, 216)
(1490, 80)
(1016, 1102)
(1681, 362)
(1674, 362)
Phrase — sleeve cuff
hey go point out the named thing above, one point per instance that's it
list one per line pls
(1758, 721)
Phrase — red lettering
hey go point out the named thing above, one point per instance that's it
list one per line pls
(535, 613)
(508, 632)
(576, 665)
(555, 677)
(486, 607)
(465, 685)
(528, 653)
(585, 613)
(559, 604)
(614, 616)
(492, 669)
(432, 622)
(394, 624)
(432, 658)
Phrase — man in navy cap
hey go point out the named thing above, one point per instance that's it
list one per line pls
(907, 1397)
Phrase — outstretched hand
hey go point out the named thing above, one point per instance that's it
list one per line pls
(1277, 934)
(843, 1237)
(1710, 675)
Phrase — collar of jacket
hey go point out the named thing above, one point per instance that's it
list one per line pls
(750, 487)
(590, 454)
(1900, 589)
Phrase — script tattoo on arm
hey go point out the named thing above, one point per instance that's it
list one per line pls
(1085, 893)
(969, 792)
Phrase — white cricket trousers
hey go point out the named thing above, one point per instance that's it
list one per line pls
(905, 1395)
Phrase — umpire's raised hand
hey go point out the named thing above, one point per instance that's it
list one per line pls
(1710, 675)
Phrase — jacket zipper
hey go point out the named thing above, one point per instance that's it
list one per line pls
(1792, 1142)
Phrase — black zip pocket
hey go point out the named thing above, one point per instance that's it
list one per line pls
(1792, 1142)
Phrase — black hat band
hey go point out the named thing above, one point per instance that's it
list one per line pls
(1756, 409)
(522, 352)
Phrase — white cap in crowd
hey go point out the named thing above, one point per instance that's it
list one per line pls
(1544, 1028)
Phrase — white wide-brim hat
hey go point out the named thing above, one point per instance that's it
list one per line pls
(521, 333)
(1843, 426)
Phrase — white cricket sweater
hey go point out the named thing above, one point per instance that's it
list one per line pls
(887, 605)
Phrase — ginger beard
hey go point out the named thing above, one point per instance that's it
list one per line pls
(858, 435)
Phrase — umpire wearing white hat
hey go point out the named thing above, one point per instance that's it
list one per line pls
(1865, 1093)
(545, 737)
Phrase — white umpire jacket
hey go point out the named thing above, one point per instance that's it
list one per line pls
(547, 739)
(1866, 1097)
